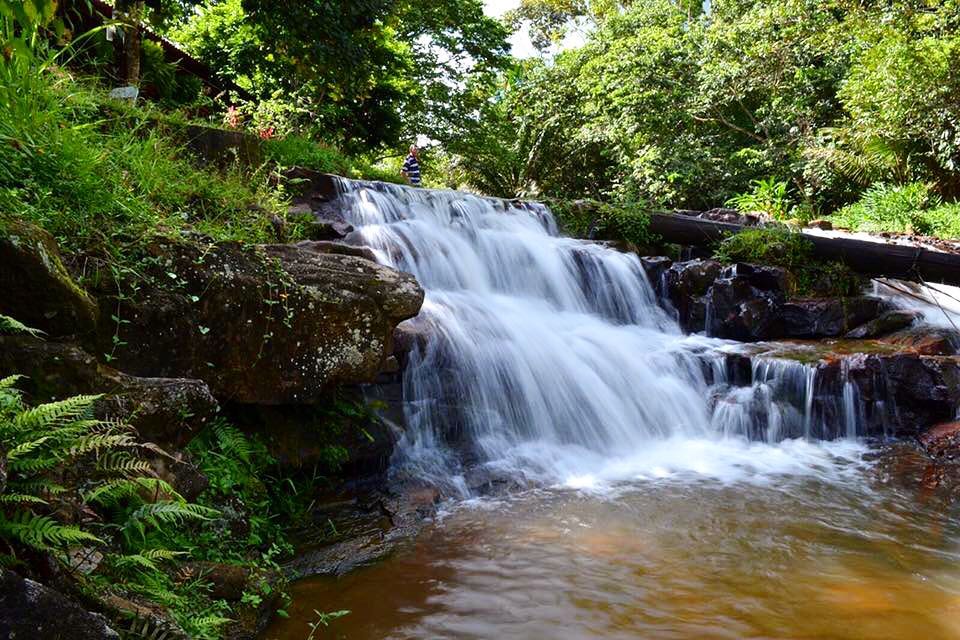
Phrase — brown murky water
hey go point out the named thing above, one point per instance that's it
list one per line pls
(792, 557)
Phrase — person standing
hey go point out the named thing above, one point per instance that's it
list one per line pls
(411, 166)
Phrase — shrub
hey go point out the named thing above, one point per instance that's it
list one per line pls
(888, 208)
(768, 197)
(780, 247)
(943, 221)
(626, 221)
(766, 245)
(299, 151)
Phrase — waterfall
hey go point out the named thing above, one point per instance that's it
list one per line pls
(540, 352)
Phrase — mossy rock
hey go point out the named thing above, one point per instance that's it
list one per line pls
(35, 287)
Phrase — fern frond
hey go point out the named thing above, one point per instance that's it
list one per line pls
(9, 381)
(210, 623)
(159, 514)
(113, 492)
(25, 449)
(97, 442)
(46, 415)
(10, 325)
(20, 498)
(43, 532)
(38, 487)
(124, 464)
(232, 441)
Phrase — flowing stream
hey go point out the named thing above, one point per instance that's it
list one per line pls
(661, 499)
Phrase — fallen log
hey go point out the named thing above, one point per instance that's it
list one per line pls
(892, 260)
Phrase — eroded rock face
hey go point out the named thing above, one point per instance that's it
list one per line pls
(271, 324)
(745, 303)
(903, 392)
(163, 410)
(36, 289)
(687, 284)
(30, 610)
(752, 303)
(829, 317)
(887, 323)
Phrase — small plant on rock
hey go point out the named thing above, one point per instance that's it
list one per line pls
(769, 197)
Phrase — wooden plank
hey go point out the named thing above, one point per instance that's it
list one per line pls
(905, 262)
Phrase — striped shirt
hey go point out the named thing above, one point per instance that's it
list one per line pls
(411, 167)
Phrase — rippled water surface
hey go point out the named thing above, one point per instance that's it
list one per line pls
(845, 550)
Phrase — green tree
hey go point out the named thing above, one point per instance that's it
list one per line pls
(373, 71)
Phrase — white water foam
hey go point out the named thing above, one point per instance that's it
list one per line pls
(549, 359)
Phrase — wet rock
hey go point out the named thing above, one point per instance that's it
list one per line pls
(942, 440)
(828, 317)
(181, 474)
(163, 410)
(304, 436)
(486, 481)
(307, 182)
(141, 618)
(655, 267)
(300, 212)
(903, 393)
(274, 324)
(887, 323)
(35, 287)
(325, 229)
(227, 581)
(720, 214)
(925, 340)
(745, 303)
(686, 286)
(30, 610)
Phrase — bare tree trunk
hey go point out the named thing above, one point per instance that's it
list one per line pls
(132, 13)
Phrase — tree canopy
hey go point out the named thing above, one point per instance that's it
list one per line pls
(368, 72)
(676, 105)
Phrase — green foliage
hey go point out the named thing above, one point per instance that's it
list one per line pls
(942, 221)
(61, 461)
(323, 619)
(630, 222)
(684, 109)
(357, 66)
(98, 174)
(781, 247)
(766, 245)
(10, 325)
(299, 151)
(910, 208)
(768, 197)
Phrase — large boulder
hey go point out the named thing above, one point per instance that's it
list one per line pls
(745, 303)
(926, 340)
(829, 317)
(902, 392)
(885, 324)
(35, 287)
(656, 268)
(30, 610)
(163, 410)
(303, 437)
(686, 285)
(268, 324)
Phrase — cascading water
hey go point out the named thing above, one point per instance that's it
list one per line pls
(700, 464)
(544, 355)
